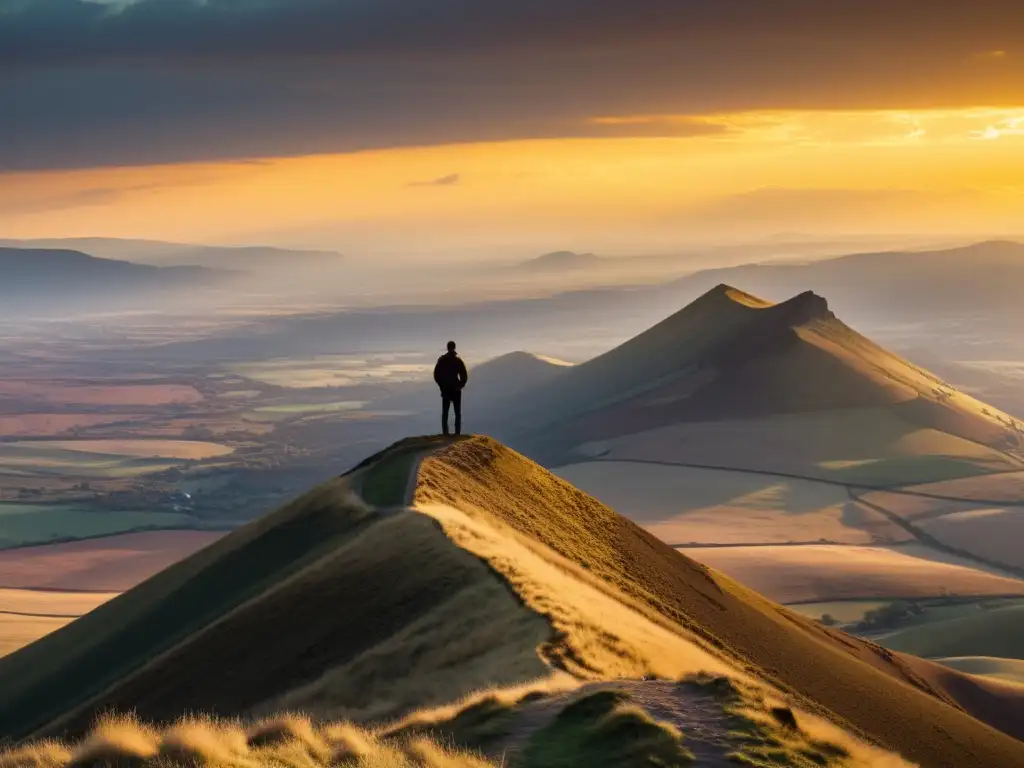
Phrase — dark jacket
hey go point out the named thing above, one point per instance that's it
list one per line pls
(450, 373)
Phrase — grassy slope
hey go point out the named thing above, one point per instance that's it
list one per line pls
(306, 609)
(997, 633)
(729, 355)
(1005, 670)
(862, 684)
(324, 605)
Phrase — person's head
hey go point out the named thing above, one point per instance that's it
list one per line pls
(451, 346)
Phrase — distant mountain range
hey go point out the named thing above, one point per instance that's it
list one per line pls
(34, 278)
(562, 260)
(166, 254)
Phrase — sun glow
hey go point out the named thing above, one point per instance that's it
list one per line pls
(968, 163)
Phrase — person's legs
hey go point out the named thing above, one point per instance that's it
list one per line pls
(457, 402)
(446, 402)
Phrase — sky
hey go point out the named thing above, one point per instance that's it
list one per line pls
(471, 127)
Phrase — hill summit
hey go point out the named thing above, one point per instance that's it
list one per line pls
(733, 357)
(441, 568)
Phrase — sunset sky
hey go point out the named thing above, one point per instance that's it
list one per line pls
(426, 125)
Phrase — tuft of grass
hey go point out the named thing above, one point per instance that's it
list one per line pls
(284, 741)
(116, 742)
(44, 754)
(603, 730)
(289, 731)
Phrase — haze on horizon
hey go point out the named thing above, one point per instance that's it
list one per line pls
(461, 130)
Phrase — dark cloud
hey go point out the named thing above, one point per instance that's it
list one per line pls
(450, 180)
(168, 80)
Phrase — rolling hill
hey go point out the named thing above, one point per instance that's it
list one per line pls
(770, 439)
(738, 382)
(164, 254)
(439, 568)
(34, 278)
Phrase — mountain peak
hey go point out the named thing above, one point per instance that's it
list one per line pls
(804, 308)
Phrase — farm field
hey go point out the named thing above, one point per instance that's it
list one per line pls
(855, 446)
(1007, 487)
(24, 524)
(113, 563)
(51, 604)
(36, 460)
(988, 531)
(288, 411)
(165, 449)
(27, 615)
(683, 505)
(66, 392)
(994, 534)
(820, 573)
(52, 424)
(333, 370)
(19, 631)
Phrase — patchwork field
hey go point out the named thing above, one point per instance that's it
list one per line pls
(165, 449)
(51, 424)
(23, 524)
(868, 446)
(682, 505)
(819, 573)
(333, 370)
(114, 563)
(988, 531)
(274, 413)
(64, 392)
(1008, 487)
(32, 461)
(101, 458)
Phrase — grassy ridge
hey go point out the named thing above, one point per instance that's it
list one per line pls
(858, 682)
(326, 606)
(63, 670)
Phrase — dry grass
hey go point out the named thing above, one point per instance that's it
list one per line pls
(556, 545)
(286, 741)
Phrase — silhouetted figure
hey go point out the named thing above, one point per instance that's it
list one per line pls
(450, 375)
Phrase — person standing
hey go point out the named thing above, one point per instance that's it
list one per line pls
(450, 375)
